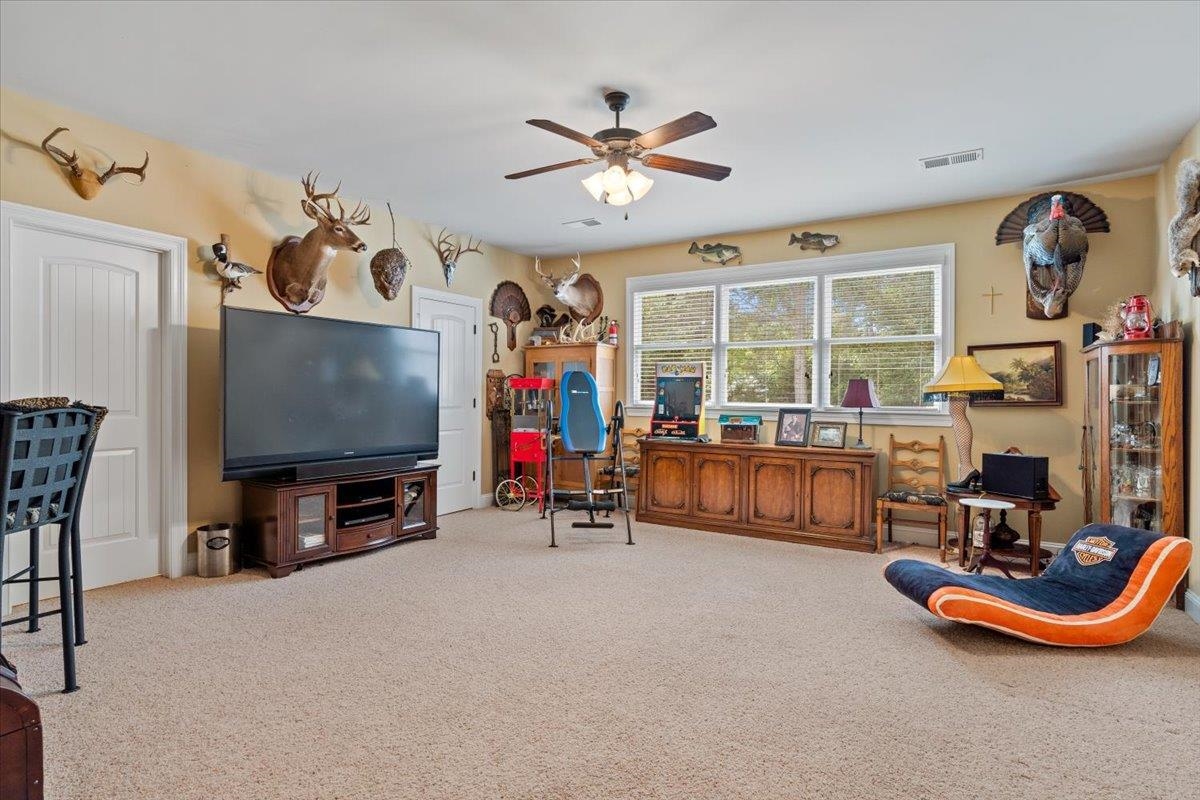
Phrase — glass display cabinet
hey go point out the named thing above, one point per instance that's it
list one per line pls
(1132, 455)
(552, 361)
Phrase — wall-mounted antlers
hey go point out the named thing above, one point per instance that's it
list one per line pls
(450, 249)
(298, 269)
(87, 182)
(579, 291)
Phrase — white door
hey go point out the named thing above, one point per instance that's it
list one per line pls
(460, 445)
(84, 324)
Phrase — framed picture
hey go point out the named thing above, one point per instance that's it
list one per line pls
(791, 429)
(1030, 371)
(829, 434)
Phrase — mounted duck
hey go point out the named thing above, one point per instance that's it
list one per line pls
(1053, 229)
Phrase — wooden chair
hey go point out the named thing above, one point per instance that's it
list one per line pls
(916, 485)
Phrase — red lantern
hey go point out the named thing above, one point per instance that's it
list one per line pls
(1138, 317)
(612, 332)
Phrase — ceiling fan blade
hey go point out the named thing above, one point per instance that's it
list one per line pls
(698, 169)
(562, 130)
(577, 162)
(690, 125)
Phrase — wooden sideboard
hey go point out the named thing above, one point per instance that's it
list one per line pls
(812, 495)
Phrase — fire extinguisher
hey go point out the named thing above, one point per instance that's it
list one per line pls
(613, 329)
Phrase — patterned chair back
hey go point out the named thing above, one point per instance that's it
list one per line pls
(42, 459)
(917, 466)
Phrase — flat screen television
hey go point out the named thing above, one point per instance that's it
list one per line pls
(308, 396)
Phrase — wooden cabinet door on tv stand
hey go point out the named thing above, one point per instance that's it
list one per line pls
(286, 524)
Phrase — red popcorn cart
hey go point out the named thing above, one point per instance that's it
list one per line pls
(530, 401)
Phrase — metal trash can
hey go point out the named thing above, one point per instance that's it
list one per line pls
(216, 550)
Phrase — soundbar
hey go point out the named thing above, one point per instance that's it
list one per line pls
(353, 466)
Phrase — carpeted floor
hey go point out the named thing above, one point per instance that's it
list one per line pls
(694, 665)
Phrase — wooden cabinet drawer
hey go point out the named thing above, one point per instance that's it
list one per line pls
(365, 536)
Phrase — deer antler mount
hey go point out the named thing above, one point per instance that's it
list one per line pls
(450, 248)
(87, 183)
(580, 292)
(298, 269)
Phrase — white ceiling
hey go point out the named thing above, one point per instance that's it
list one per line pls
(822, 108)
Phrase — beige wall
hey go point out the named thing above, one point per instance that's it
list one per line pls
(1172, 300)
(1120, 263)
(199, 197)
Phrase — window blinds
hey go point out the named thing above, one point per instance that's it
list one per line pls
(795, 341)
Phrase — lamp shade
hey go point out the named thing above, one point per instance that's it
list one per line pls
(595, 185)
(860, 393)
(962, 375)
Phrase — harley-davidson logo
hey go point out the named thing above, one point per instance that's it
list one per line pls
(1094, 549)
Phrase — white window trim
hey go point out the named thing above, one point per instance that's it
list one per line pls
(928, 255)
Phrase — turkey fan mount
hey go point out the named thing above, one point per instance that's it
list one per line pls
(510, 304)
(1052, 228)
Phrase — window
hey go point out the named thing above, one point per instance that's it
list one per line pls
(794, 334)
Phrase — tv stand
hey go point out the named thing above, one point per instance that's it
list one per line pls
(286, 523)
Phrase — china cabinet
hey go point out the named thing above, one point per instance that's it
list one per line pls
(1133, 434)
(552, 361)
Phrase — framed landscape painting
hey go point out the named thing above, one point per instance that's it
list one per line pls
(1030, 371)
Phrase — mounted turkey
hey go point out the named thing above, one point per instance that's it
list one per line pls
(1053, 229)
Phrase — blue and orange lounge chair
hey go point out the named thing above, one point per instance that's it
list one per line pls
(1106, 587)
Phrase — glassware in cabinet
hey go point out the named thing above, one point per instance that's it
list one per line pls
(1135, 414)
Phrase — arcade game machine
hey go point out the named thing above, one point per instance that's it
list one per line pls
(679, 402)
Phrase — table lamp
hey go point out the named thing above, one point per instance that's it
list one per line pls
(860, 394)
(960, 380)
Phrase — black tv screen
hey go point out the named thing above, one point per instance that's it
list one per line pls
(299, 390)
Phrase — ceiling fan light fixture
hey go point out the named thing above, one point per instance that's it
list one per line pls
(638, 184)
(621, 198)
(615, 179)
(595, 185)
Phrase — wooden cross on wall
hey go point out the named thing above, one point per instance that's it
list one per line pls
(992, 295)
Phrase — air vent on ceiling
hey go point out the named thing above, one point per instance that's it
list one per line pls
(590, 222)
(951, 159)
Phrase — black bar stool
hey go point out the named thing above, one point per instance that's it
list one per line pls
(43, 462)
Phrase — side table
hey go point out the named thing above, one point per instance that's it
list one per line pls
(985, 558)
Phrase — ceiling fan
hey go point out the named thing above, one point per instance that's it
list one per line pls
(618, 185)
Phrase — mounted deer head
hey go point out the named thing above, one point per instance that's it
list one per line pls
(579, 291)
(86, 182)
(450, 249)
(298, 269)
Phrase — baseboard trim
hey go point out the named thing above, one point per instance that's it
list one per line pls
(486, 500)
(1191, 604)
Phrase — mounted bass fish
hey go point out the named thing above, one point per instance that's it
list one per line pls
(1053, 229)
(814, 241)
(717, 253)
